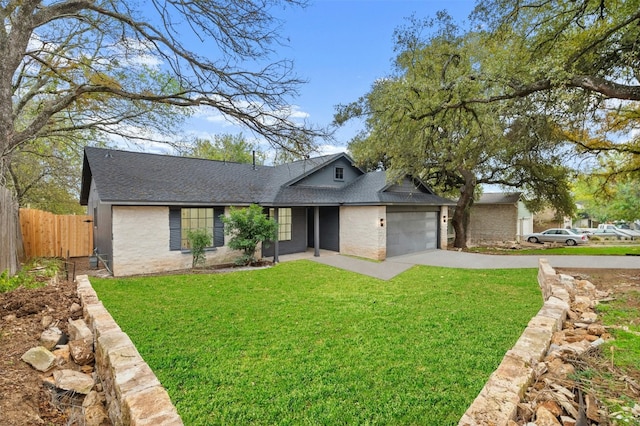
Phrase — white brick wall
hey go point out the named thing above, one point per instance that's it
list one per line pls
(361, 233)
(444, 221)
(141, 243)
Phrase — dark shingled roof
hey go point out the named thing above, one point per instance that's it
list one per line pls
(499, 198)
(124, 177)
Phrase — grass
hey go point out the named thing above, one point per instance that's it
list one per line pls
(579, 250)
(304, 343)
(624, 312)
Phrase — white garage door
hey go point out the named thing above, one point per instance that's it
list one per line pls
(411, 231)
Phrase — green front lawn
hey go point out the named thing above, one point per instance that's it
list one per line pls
(305, 343)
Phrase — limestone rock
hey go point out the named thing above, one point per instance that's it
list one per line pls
(62, 355)
(50, 337)
(596, 329)
(75, 308)
(73, 381)
(78, 330)
(589, 317)
(95, 414)
(560, 369)
(545, 418)
(585, 287)
(577, 347)
(567, 421)
(81, 352)
(552, 407)
(46, 321)
(572, 315)
(592, 408)
(39, 358)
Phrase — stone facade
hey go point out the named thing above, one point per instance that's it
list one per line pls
(493, 223)
(361, 233)
(141, 243)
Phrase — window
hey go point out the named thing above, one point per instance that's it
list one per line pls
(284, 223)
(338, 173)
(182, 220)
(194, 219)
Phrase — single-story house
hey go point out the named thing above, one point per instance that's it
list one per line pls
(143, 205)
(499, 217)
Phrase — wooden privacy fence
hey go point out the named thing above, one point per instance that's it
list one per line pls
(49, 235)
(10, 243)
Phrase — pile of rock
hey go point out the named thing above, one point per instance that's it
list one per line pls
(67, 361)
(532, 386)
(554, 398)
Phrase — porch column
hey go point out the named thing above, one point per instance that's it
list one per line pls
(276, 243)
(316, 231)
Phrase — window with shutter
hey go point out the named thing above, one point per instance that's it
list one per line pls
(183, 220)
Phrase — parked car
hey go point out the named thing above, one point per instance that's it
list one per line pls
(558, 235)
(584, 231)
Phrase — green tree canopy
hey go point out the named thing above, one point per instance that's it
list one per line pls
(455, 149)
(226, 147)
(576, 61)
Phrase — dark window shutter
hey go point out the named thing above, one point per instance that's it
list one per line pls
(174, 228)
(218, 227)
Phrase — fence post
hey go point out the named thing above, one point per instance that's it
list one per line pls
(11, 248)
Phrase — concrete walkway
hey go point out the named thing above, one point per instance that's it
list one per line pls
(453, 259)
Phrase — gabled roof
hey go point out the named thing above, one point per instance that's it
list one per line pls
(304, 168)
(500, 198)
(134, 178)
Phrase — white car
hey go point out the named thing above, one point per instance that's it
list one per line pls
(558, 235)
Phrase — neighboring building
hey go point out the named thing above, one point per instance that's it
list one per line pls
(499, 217)
(143, 204)
(547, 218)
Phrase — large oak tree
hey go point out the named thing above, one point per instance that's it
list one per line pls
(582, 54)
(121, 68)
(417, 122)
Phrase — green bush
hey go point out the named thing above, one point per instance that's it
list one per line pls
(248, 227)
(199, 240)
(36, 273)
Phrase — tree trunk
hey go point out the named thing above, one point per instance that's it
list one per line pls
(460, 220)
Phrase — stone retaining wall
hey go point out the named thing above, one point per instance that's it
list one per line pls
(134, 396)
(497, 403)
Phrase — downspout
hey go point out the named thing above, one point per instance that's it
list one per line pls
(276, 243)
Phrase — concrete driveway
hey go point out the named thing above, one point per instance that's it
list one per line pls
(454, 259)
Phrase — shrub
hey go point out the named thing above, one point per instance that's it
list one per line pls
(36, 273)
(199, 240)
(248, 227)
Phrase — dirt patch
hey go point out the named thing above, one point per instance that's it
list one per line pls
(24, 400)
(23, 397)
(616, 280)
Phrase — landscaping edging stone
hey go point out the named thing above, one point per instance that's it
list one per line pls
(497, 403)
(134, 395)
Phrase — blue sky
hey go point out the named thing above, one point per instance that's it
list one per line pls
(340, 47)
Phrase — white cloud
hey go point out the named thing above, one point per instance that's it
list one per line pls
(328, 149)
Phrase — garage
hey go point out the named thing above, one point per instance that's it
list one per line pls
(411, 230)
